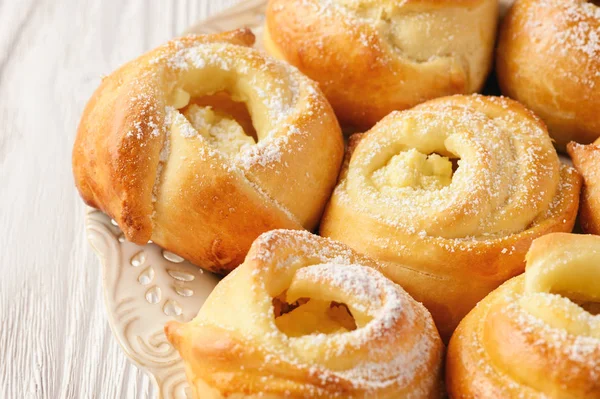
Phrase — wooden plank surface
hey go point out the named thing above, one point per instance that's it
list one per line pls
(54, 338)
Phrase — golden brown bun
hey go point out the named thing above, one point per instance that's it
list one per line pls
(549, 59)
(527, 341)
(307, 317)
(505, 6)
(166, 168)
(375, 56)
(449, 238)
(586, 159)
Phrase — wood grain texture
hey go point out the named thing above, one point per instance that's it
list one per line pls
(54, 338)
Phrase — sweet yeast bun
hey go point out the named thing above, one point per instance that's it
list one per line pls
(307, 317)
(449, 195)
(548, 58)
(586, 159)
(371, 57)
(538, 335)
(165, 149)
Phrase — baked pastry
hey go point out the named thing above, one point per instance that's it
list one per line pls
(307, 317)
(549, 59)
(371, 57)
(505, 6)
(203, 144)
(538, 335)
(450, 195)
(586, 159)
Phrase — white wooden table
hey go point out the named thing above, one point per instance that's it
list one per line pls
(54, 338)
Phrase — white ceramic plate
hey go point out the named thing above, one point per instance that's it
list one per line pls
(145, 286)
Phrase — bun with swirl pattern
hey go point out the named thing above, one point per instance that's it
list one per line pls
(305, 316)
(538, 335)
(450, 195)
(375, 56)
(203, 144)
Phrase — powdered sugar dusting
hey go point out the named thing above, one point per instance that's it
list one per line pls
(357, 281)
(383, 32)
(579, 27)
(572, 32)
(563, 337)
(357, 24)
(508, 171)
(165, 151)
(279, 100)
(577, 348)
(395, 348)
(278, 88)
(394, 316)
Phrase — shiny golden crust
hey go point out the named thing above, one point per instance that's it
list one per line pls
(525, 340)
(548, 58)
(137, 158)
(586, 159)
(236, 348)
(375, 56)
(449, 238)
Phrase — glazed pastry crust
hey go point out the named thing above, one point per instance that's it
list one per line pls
(371, 57)
(449, 238)
(586, 159)
(525, 340)
(139, 157)
(548, 58)
(237, 348)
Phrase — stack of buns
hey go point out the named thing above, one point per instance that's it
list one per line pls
(445, 220)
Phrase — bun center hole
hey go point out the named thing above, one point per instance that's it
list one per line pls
(417, 170)
(225, 123)
(309, 316)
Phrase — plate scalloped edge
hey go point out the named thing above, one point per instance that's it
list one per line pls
(144, 287)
